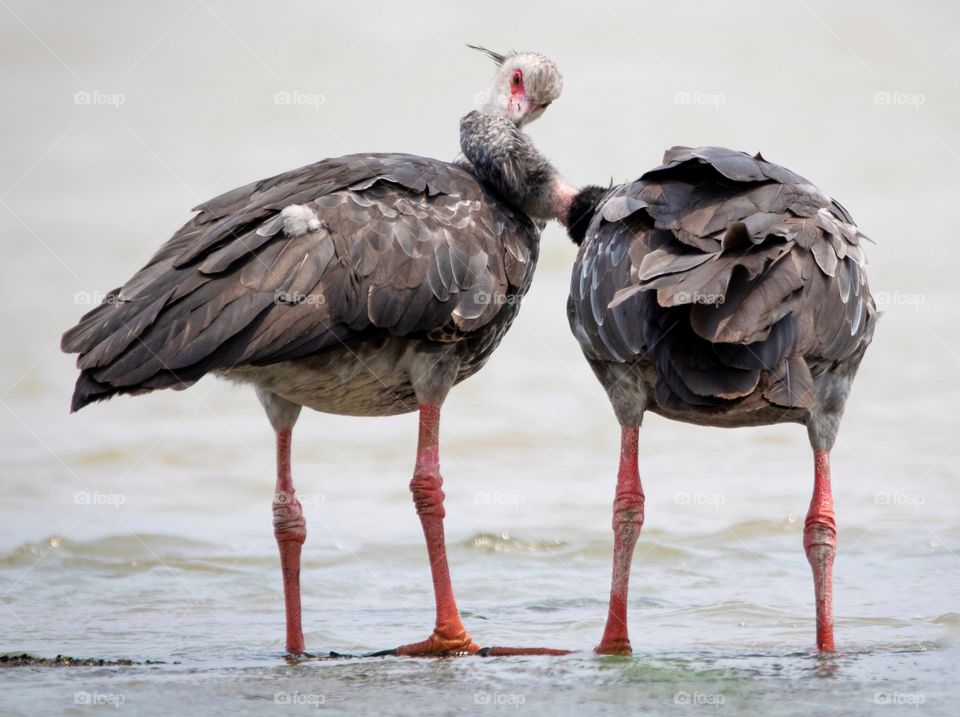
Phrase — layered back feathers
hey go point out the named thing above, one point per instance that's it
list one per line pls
(382, 242)
(732, 275)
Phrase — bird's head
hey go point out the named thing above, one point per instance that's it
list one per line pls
(523, 86)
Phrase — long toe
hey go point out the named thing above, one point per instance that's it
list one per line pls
(514, 651)
(435, 646)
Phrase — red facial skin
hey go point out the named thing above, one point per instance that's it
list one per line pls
(518, 93)
(516, 84)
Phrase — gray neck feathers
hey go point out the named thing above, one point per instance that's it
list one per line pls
(503, 158)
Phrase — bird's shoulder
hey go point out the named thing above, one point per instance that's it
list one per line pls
(222, 216)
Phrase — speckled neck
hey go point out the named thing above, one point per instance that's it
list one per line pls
(504, 158)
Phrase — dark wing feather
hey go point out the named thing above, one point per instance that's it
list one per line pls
(741, 277)
(401, 244)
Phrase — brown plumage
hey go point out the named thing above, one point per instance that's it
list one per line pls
(733, 281)
(365, 285)
(401, 246)
(720, 289)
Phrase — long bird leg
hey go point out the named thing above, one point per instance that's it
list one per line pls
(627, 522)
(290, 530)
(449, 635)
(820, 544)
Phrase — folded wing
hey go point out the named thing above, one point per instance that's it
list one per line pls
(389, 242)
(732, 274)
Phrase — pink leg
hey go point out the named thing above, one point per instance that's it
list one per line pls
(290, 530)
(820, 544)
(627, 521)
(449, 635)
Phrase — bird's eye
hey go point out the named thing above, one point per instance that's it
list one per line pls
(517, 78)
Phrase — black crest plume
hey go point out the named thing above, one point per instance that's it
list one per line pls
(495, 56)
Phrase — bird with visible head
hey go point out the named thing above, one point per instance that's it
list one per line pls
(497, 150)
(365, 285)
(523, 87)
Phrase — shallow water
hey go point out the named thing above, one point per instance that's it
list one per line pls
(140, 530)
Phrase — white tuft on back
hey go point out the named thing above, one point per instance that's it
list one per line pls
(298, 219)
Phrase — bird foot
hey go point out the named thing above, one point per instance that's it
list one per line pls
(294, 658)
(435, 646)
(618, 646)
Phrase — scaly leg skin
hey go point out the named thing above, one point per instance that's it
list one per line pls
(290, 530)
(627, 522)
(449, 636)
(820, 544)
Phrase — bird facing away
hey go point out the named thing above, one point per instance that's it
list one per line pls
(365, 285)
(723, 290)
